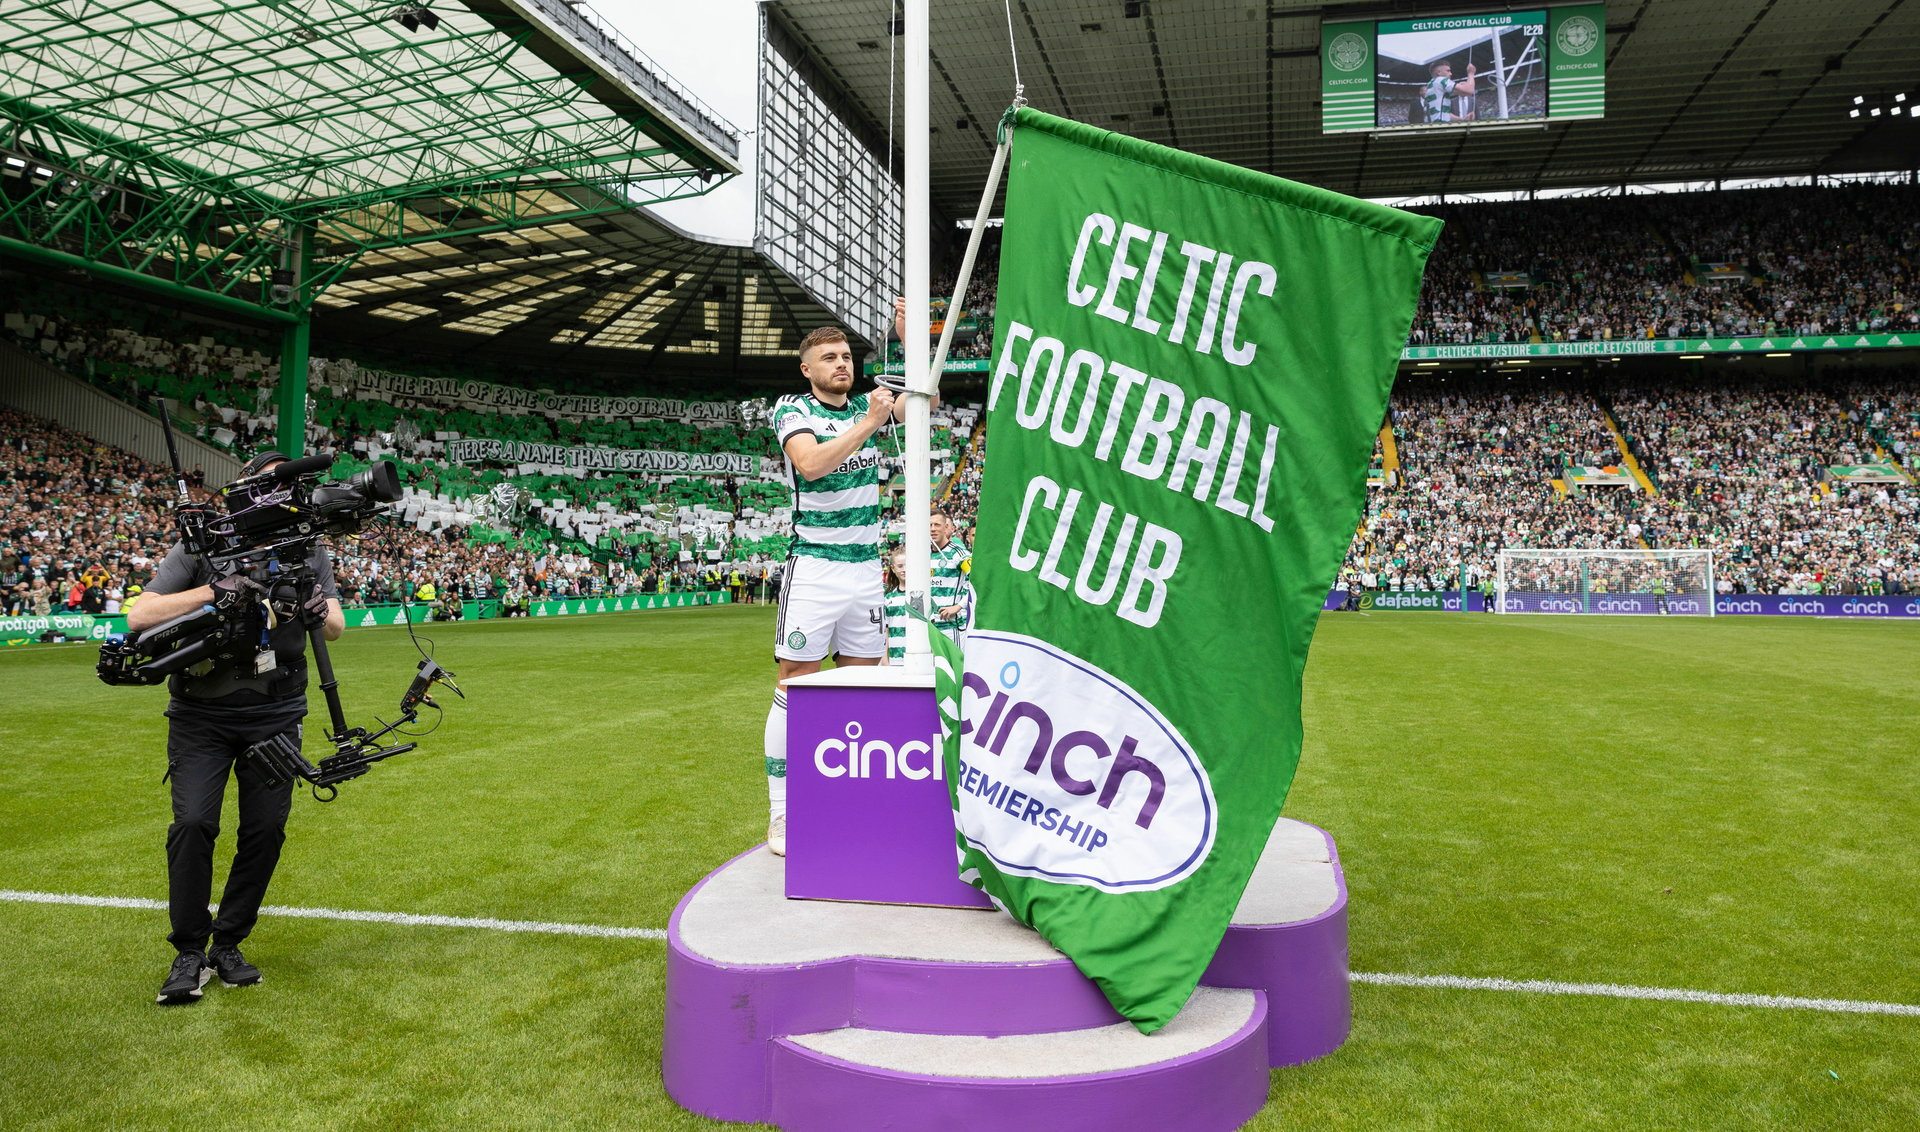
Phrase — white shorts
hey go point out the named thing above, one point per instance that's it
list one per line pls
(828, 606)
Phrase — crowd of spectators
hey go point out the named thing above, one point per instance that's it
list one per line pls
(84, 526)
(80, 522)
(1745, 468)
(1740, 468)
(1478, 463)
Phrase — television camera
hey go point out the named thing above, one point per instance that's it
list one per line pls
(257, 553)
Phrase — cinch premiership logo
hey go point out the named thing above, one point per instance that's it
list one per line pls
(1791, 606)
(1347, 52)
(1068, 774)
(1577, 36)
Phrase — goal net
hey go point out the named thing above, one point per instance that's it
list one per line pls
(1643, 582)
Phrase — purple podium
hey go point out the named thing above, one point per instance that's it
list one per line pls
(790, 1004)
(868, 816)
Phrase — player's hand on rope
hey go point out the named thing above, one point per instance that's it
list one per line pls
(900, 317)
(880, 406)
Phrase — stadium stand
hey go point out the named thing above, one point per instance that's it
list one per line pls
(1741, 470)
(529, 530)
(1735, 465)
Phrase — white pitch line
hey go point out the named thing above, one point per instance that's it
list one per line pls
(1655, 994)
(487, 923)
(1364, 978)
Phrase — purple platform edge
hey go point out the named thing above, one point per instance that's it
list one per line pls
(1221, 1086)
(724, 1023)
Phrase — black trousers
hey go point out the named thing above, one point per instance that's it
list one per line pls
(203, 745)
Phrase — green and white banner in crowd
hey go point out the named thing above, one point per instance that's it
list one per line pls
(1611, 475)
(1192, 361)
(1865, 473)
(603, 459)
(455, 392)
(1637, 347)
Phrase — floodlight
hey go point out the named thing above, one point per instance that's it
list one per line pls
(1858, 99)
(1853, 113)
(1899, 98)
(1875, 112)
(431, 21)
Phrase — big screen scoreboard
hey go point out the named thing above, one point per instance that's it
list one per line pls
(1510, 68)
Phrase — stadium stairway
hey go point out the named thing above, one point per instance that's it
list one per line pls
(1389, 452)
(1627, 459)
(813, 1014)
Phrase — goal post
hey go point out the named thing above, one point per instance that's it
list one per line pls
(1622, 582)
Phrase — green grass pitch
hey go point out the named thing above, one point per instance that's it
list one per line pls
(1725, 805)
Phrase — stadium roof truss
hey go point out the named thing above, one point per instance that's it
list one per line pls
(626, 293)
(1695, 91)
(247, 153)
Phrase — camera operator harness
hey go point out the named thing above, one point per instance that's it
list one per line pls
(257, 555)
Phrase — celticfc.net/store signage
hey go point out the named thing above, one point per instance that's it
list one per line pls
(1638, 347)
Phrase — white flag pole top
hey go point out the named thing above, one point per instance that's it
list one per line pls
(916, 229)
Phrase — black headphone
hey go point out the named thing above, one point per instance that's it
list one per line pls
(260, 461)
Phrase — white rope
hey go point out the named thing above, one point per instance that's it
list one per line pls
(1014, 52)
(886, 299)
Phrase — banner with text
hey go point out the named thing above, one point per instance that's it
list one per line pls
(455, 392)
(1771, 605)
(31, 627)
(604, 459)
(1636, 347)
(1192, 361)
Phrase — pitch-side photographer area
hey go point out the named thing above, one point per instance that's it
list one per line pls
(1630, 871)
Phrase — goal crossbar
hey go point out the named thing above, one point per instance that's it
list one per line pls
(1623, 581)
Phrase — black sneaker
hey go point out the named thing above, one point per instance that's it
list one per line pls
(186, 979)
(234, 969)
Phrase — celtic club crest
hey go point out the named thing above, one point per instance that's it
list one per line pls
(1347, 52)
(1577, 36)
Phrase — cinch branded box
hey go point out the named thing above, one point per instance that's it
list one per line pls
(868, 817)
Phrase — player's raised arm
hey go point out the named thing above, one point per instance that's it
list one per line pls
(814, 458)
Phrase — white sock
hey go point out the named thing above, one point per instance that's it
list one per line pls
(776, 751)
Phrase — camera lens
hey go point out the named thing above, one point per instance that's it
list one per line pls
(362, 491)
(380, 483)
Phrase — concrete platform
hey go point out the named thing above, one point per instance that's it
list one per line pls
(816, 1014)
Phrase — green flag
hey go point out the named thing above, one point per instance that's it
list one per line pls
(1191, 362)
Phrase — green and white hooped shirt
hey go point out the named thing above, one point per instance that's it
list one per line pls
(896, 626)
(836, 517)
(950, 582)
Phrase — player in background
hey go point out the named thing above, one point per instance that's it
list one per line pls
(951, 590)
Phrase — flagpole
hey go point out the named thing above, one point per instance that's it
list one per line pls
(915, 231)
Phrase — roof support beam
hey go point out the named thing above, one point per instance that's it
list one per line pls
(153, 285)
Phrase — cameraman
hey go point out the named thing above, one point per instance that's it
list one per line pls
(213, 717)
